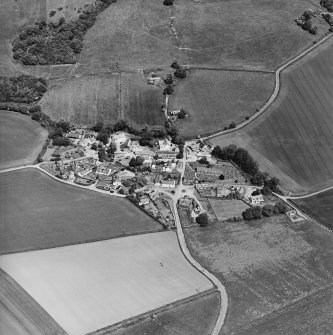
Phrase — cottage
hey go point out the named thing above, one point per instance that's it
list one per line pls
(144, 201)
(120, 137)
(154, 80)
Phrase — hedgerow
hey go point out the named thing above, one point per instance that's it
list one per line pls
(56, 42)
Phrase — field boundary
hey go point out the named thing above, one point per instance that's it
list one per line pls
(136, 319)
(228, 69)
(275, 92)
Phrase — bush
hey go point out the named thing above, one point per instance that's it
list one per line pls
(168, 80)
(252, 213)
(168, 90)
(232, 125)
(175, 65)
(202, 219)
(180, 73)
(182, 114)
(280, 208)
(168, 2)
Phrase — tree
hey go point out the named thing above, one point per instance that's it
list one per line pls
(252, 213)
(232, 125)
(308, 14)
(202, 219)
(313, 30)
(111, 149)
(168, 2)
(259, 178)
(98, 127)
(137, 161)
(65, 126)
(93, 146)
(180, 73)
(168, 90)
(307, 25)
(103, 137)
(203, 160)
(168, 80)
(101, 154)
(61, 141)
(182, 114)
(221, 177)
(175, 65)
(280, 208)
(267, 210)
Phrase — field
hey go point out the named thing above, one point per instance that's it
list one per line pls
(196, 317)
(225, 209)
(20, 313)
(141, 103)
(90, 286)
(21, 139)
(320, 207)
(83, 101)
(40, 212)
(252, 34)
(214, 99)
(278, 275)
(293, 138)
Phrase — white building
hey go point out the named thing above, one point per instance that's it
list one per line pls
(120, 137)
(168, 183)
(256, 199)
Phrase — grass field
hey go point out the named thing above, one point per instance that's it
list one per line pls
(39, 212)
(196, 317)
(276, 274)
(293, 138)
(320, 207)
(83, 101)
(141, 103)
(256, 34)
(225, 209)
(21, 139)
(214, 99)
(90, 286)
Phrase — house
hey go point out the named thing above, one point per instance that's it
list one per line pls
(256, 199)
(165, 145)
(120, 137)
(168, 183)
(103, 170)
(167, 154)
(144, 201)
(125, 174)
(74, 135)
(185, 202)
(175, 112)
(154, 80)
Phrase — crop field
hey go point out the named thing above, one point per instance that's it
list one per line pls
(90, 286)
(84, 100)
(141, 103)
(214, 99)
(20, 313)
(242, 34)
(21, 139)
(320, 207)
(40, 212)
(293, 138)
(275, 273)
(225, 209)
(196, 317)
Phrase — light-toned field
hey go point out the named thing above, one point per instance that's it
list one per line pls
(196, 317)
(141, 103)
(90, 286)
(293, 138)
(83, 101)
(21, 139)
(40, 212)
(320, 207)
(214, 99)
(225, 209)
(256, 34)
(276, 274)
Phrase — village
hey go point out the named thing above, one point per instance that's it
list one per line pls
(155, 177)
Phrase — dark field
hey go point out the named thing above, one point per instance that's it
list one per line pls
(83, 101)
(21, 139)
(39, 212)
(293, 138)
(141, 103)
(278, 275)
(320, 207)
(196, 317)
(214, 99)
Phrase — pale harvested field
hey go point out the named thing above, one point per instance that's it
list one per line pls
(90, 286)
(275, 273)
(83, 101)
(293, 138)
(225, 209)
(21, 139)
